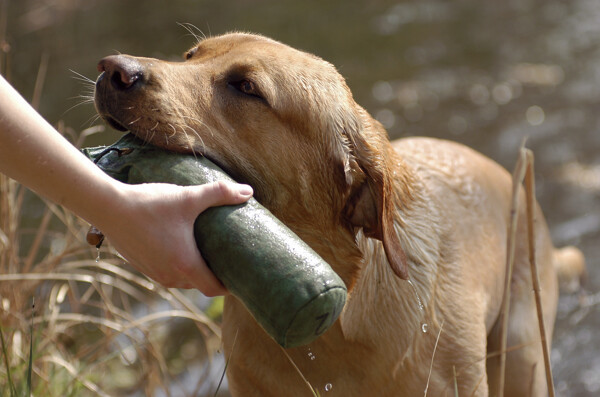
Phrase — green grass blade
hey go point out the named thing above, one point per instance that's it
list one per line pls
(13, 390)
(455, 382)
(226, 364)
(30, 364)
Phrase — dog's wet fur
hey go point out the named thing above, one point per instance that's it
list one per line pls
(381, 213)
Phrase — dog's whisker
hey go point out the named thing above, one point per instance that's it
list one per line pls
(88, 87)
(86, 95)
(92, 120)
(174, 130)
(89, 96)
(153, 132)
(134, 121)
(202, 123)
(193, 31)
(190, 142)
(155, 125)
(82, 102)
(81, 77)
(193, 119)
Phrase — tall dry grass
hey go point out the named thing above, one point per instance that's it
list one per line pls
(82, 325)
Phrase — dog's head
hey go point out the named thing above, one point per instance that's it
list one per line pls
(282, 120)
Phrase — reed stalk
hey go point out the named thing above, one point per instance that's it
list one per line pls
(523, 174)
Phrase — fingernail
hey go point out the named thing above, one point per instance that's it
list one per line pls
(246, 190)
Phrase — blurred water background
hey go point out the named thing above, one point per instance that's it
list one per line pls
(484, 73)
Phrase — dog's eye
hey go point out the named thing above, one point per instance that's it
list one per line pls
(246, 86)
(190, 53)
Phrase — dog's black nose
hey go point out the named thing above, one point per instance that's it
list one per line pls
(123, 71)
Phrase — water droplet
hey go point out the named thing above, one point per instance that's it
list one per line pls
(328, 387)
(421, 307)
(97, 255)
(312, 356)
(424, 326)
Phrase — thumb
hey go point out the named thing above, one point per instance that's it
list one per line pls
(220, 193)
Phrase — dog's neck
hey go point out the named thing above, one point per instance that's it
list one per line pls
(378, 290)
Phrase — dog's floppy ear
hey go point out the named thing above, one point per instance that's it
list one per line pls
(372, 201)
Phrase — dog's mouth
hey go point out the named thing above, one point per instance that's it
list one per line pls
(117, 114)
(154, 139)
(115, 124)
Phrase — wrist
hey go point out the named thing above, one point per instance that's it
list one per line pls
(108, 204)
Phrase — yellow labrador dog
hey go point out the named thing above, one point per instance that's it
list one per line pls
(417, 228)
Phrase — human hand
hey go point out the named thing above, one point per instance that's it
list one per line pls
(151, 225)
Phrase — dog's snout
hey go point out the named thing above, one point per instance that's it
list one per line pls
(122, 71)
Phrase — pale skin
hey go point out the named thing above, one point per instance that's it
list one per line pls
(151, 225)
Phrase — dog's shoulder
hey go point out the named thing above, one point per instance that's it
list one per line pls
(437, 153)
(445, 167)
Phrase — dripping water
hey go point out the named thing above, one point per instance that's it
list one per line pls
(424, 326)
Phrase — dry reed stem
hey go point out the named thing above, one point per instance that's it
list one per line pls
(39, 81)
(432, 357)
(70, 368)
(191, 311)
(484, 358)
(478, 384)
(530, 195)
(518, 175)
(227, 362)
(308, 385)
(4, 48)
(198, 316)
(35, 246)
(76, 293)
(523, 172)
(88, 285)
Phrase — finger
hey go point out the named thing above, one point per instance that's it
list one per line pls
(196, 274)
(222, 193)
(208, 283)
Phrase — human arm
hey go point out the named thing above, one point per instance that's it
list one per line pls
(151, 225)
